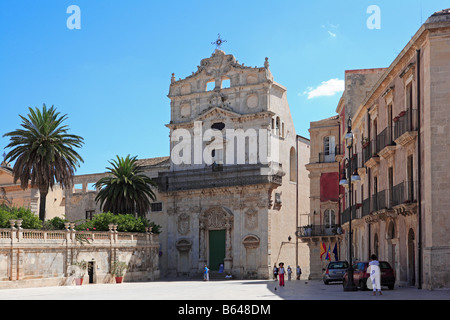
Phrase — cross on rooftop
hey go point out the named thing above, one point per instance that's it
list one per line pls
(218, 42)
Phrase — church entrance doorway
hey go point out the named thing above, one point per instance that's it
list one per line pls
(215, 238)
(216, 248)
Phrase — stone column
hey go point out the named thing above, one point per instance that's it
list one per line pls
(20, 266)
(228, 262)
(202, 246)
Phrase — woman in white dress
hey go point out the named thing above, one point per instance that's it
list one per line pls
(375, 274)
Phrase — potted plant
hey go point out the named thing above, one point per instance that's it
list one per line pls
(82, 266)
(117, 270)
(365, 142)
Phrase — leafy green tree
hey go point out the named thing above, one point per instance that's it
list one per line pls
(43, 152)
(127, 189)
(125, 223)
(29, 219)
(55, 223)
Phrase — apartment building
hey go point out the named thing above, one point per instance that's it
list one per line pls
(398, 205)
(401, 153)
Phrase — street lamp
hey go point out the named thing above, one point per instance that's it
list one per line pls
(351, 178)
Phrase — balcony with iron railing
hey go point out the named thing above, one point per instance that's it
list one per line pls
(220, 176)
(330, 156)
(346, 214)
(355, 161)
(385, 138)
(372, 149)
(402, 132)
(367, 152)
(370, 205)
(405, 129)
(365, 207)
(379, 200)
(370, 153)
(405, 122)
(402, 194)
(318, 231)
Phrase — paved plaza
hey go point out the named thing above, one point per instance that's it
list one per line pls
(166, 289)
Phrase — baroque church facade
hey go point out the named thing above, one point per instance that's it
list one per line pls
(233, 190)
(236, 203)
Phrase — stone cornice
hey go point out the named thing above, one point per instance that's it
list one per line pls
(222, 114)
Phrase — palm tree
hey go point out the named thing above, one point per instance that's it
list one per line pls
(126, 189)
(43, 152)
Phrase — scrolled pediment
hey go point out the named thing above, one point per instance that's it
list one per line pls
(216, 113)
(251, 241)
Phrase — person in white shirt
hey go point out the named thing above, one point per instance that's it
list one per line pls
(375, 274)
(289, 272)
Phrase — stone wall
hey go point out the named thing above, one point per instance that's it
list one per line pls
(31, 258)
(81, 197)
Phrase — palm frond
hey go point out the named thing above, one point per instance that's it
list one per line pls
(127, 189)
(43, 151)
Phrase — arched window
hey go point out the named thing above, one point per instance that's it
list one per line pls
(293, 165)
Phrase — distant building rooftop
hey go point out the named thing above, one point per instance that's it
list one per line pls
(151, 162)
(439, 16)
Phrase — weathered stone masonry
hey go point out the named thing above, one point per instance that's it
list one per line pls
(44, 258)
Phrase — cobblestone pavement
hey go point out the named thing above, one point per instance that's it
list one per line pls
(216, 290)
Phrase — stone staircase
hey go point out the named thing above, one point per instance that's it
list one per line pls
(213, 276)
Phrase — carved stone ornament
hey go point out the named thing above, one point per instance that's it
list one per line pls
(183, 245)
(251, 219)
(216, 219)
(170, 210)
(183, 224)
(251, 242)
(252, 101)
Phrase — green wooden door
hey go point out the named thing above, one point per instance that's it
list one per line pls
(216, 248)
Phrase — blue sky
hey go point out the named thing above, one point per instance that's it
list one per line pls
(112, 76)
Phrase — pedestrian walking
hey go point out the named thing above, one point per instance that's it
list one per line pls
(206, 274)
(299, 272)
(275, 272)
(289, 272)
(375, 274)
(281, 273)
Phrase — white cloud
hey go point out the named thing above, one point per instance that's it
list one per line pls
(332, 34)
(327, 88)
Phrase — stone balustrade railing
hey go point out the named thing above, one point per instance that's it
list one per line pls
(45, 257)
(16, 234)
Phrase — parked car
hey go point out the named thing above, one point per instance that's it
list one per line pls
(360, 275)
(334, 271)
